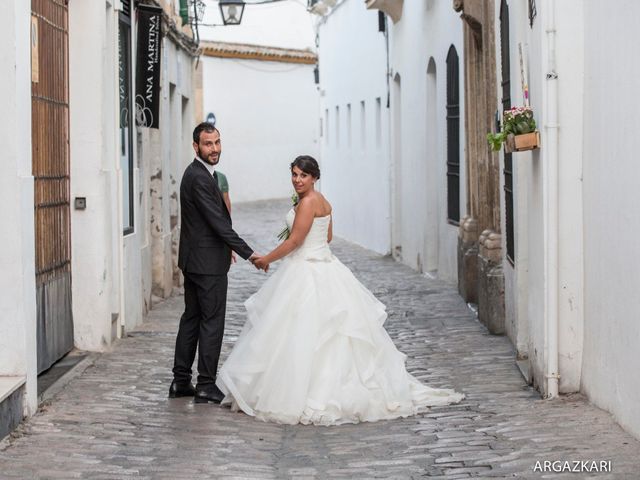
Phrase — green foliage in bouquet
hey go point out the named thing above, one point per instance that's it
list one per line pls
(516, 121)
(284, 234)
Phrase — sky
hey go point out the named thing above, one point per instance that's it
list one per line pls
(285, 24)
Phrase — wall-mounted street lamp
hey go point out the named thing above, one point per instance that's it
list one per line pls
(231, 11)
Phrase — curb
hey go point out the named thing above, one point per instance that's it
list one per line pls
(67, 377)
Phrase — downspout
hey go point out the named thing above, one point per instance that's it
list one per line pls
(115, 172)
(551, 207)
(391, 166)
(386, 46)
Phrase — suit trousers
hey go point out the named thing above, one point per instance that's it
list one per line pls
(201, 326)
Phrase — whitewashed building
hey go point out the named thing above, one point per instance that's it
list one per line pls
(264, 101)
(549, 231)
(354, 114)
(570, 289)
(259, 87)
(18, 344)
(395, 182)
(81, 267)
(124, 239)
(427, 108)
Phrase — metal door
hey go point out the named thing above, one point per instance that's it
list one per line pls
(50, 154)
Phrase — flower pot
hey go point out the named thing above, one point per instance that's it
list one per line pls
(510, 144)
(524, 142)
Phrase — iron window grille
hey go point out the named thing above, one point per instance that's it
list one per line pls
(506, 104)
(453, 136)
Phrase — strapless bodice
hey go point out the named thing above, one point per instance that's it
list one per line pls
(315, 246)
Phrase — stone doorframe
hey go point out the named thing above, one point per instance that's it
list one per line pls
(480, 275)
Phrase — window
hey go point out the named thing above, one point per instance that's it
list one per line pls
(326, 125)
(378, 122)
(349, 125)
(126, 123)
(532, 12)
(337, 126)
(453, 136)
(363, 125)
(506, 104)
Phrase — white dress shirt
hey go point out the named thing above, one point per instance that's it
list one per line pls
(211, 169)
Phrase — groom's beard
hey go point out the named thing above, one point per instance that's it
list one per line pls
(211, 160)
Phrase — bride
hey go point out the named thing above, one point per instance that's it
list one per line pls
(314, 349)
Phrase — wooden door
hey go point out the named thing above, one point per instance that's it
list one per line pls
(50, 154)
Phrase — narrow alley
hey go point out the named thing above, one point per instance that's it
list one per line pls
(114, 420)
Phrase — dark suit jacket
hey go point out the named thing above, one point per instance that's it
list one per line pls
(206, 234)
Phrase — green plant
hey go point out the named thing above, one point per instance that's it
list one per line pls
(284, 233)
(516, 121)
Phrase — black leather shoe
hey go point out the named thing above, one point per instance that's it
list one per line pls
(181, 390)
(208, 394)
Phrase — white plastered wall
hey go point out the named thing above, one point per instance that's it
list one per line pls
(420, 42)
(355, 152)
(17, 302)
(267, 115)
(611, 224)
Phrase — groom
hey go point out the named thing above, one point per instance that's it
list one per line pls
(206, 242)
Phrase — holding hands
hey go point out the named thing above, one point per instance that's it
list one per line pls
(259, 262)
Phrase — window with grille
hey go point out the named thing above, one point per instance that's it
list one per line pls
(126, 7)
(453, 136)
(126, 117)
(506, 104)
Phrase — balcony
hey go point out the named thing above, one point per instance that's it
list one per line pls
(393, 8)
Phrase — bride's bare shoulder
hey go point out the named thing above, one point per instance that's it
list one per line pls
(324, 205)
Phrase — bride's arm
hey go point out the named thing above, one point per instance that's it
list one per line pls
(301, 226)
(330, 234)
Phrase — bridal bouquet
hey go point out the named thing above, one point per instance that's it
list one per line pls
(284, 234)
(516, 121)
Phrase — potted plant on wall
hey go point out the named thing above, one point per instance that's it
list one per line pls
(518, 133)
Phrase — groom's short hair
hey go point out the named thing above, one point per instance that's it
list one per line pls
(203, 127)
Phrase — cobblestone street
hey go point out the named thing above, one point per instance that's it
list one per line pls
(115, 421)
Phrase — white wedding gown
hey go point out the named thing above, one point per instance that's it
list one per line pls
(314, 350)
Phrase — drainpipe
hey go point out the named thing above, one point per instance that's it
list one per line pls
(114, 171)
(551, 207)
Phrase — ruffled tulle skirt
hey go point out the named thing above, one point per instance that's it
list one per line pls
(314, 351)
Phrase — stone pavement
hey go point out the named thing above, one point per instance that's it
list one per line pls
(115, 421)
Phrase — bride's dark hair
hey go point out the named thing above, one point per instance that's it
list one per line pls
(307, 164)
